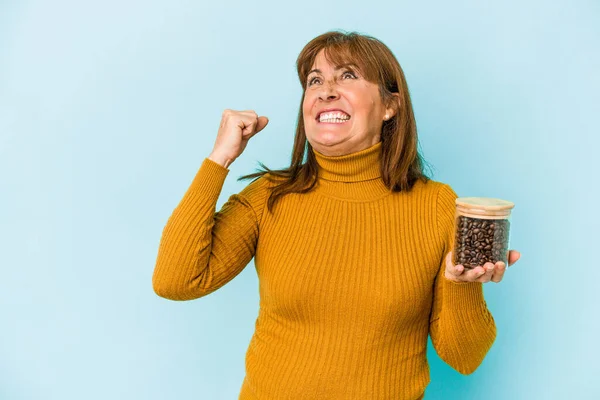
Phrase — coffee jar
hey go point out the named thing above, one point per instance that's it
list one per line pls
(482, 231)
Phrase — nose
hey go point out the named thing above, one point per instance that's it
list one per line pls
(328, 92)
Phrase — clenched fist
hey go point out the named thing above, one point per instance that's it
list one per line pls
(237, 127)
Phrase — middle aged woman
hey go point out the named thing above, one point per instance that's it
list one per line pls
(352, 247)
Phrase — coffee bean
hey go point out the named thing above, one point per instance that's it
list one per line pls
(478, 241)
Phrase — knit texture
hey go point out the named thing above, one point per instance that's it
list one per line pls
(351, 280)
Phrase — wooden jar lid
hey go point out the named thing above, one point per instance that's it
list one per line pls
(484, 207)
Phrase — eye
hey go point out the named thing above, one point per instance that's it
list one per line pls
(349, 72)
(311, 81)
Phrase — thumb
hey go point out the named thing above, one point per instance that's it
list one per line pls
(262, 122)
(455, 270)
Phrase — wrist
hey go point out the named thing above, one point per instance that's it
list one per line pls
(220, 159)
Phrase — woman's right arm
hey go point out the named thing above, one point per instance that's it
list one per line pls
(201, 250)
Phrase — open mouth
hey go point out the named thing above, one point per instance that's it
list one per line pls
(332, 118)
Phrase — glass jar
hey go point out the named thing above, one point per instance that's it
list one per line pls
(482, 231)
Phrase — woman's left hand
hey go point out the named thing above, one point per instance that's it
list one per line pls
(487, 272)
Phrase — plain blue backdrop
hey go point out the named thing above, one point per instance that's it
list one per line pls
(108, 108)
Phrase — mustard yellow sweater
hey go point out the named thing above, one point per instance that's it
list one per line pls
(351, 280)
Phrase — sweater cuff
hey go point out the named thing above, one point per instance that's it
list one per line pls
(210, 178)
(466, 296)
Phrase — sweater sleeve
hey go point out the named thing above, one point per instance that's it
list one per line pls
(201, 250)
(462, 328)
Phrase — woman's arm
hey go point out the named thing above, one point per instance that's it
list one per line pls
(201, 250)
(462, 328)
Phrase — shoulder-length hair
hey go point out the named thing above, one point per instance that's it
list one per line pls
(401, 163)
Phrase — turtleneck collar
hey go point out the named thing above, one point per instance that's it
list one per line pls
(359, 166)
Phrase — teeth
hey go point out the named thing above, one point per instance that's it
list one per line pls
(338, 120)
(333, 116)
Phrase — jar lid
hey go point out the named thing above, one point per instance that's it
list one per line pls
(484, 205)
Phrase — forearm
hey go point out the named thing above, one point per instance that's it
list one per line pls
(464, 330)
(186, 241)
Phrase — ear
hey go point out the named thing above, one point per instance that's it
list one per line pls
(393, 105)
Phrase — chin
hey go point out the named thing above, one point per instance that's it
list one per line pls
(328, 138)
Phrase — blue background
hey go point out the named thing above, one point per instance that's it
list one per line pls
(108, 108)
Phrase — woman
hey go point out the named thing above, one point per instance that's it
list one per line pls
(352, 247)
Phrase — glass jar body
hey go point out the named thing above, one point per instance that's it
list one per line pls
(480, 238)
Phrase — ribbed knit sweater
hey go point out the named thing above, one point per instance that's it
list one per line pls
(351, 280)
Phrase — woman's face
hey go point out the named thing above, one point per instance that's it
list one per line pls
(358, 99)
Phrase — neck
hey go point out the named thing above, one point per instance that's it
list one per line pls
(353, 177)
(354, 167)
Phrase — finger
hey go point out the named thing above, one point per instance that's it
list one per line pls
(473, 274)
(513, 256)
(247, 126)
(489, 271)
(262, 122)
(499, 272)
(455, 270)
(252, 118)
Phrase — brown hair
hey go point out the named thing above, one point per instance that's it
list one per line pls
(401, 163)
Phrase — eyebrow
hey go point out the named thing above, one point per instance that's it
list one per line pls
(336, 68)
